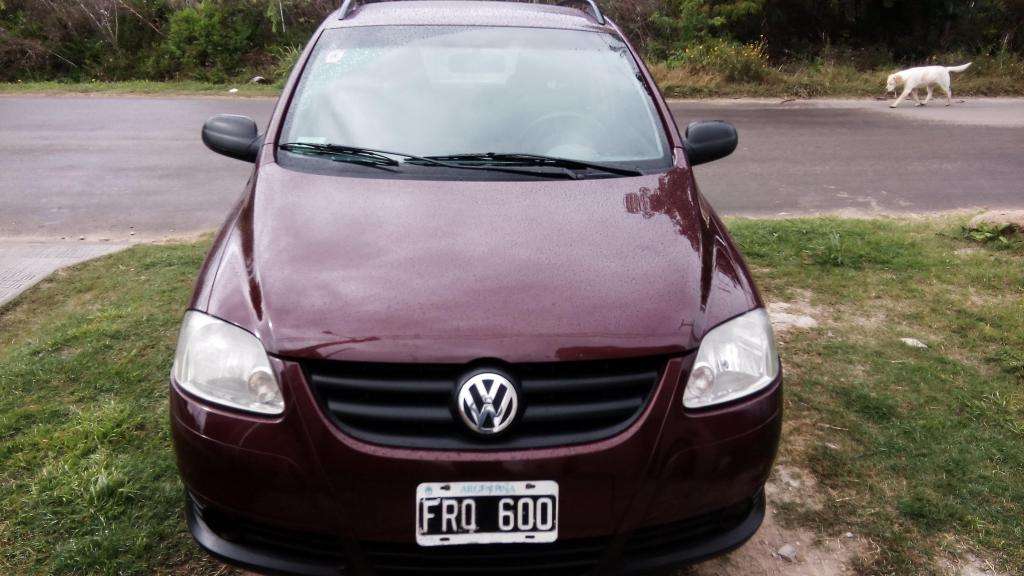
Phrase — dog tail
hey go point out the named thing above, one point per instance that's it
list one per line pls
(959, 68)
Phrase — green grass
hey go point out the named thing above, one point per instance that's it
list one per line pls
(931, 442)
(921, 451)
(88, 483)
(145, 87)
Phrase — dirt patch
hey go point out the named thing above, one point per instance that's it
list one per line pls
(796, 314)
(760, 556)
(969, 565)
(968, 251)
(791, 485)
(787, 551)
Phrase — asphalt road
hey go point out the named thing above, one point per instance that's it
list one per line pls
(124, 169)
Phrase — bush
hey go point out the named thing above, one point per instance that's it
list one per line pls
(285, 58)
(704, 45)
(999, 63)
(736, 62)
(209, 41)
(78, 40)
(677, 25)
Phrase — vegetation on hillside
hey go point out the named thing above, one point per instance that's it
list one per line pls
(798, 47)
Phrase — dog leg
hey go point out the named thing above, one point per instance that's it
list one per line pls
(917, 99)
(949, 94)
(931, 90)
(906, 92)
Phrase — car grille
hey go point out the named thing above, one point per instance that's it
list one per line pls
(568, 558)
(410, 405)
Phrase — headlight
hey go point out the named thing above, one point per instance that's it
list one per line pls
(224, 364)
(735, 359)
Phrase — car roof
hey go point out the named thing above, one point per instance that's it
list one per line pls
(467, 13)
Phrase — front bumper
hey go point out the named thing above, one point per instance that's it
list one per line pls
(295, 495)
(275, 551)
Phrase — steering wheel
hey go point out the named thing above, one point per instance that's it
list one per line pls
(592, 138)
(547, 133)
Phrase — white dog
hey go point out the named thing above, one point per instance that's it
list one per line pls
(927, 76)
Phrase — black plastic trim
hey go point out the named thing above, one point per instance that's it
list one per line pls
(249, 557)
(701, 550)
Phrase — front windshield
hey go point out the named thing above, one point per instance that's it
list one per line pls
(452, 90)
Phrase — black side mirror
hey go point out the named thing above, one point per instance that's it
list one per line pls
(707, 141)
(233, 136)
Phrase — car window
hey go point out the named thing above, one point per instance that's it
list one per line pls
(447, 90)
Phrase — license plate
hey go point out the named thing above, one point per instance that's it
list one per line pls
(486, 513)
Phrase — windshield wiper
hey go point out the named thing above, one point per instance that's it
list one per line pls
(518, 159)
(384, 158)
(342, 153)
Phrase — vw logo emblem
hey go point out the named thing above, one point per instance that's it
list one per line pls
(487, 402)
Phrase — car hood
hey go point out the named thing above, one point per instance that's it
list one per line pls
(369, 269)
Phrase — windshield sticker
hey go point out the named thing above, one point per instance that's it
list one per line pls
(334, 56)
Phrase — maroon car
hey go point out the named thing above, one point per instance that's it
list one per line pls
(472, 314)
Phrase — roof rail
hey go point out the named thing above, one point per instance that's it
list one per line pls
(594, 10)
(348, 5)
(345, 7)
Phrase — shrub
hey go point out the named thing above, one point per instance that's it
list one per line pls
(736, 62)
(285, 58)
(818, 48)
(999, 63)
(78, 40)
(680, 24)
(208, 41)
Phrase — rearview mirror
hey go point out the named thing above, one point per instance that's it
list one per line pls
(710, 140)
(233, 136)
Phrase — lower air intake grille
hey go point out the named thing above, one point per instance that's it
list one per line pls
(568, 558)
(410, 405)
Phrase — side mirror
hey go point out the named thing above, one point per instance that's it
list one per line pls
(707, 141)
(233, 136)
